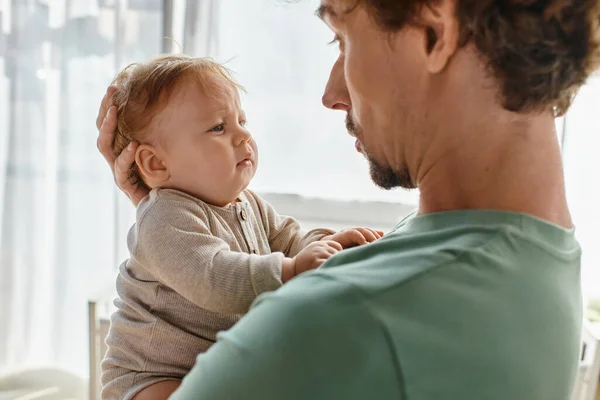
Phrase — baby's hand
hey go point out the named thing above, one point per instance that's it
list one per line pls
(315, 254)
(355, 236)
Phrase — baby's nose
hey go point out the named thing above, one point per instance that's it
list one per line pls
(243, 136)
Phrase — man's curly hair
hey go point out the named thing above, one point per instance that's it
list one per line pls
(540, 51)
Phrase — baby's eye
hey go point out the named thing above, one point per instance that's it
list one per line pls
(242, 122)
(218, 128)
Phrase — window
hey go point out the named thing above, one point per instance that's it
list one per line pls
(582, 166)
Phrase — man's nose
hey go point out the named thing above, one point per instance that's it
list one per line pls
(336, 96)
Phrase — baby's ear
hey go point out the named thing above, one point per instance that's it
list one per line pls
(152, 168)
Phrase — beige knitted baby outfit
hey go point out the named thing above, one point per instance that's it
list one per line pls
(194, 270)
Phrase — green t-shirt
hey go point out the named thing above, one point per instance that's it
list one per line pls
(461, 305)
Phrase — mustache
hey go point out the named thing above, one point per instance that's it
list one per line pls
(351, 126)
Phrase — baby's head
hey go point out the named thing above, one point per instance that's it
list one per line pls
(187, 116)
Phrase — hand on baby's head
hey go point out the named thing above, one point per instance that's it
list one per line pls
(106, 122)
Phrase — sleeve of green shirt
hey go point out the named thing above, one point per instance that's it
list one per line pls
(313, 339)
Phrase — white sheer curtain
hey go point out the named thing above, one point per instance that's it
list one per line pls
(58, 211)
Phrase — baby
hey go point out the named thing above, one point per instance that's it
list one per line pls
(203, 246)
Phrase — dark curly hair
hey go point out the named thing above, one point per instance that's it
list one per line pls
(540, 51)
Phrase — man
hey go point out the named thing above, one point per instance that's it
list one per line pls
(475, 297)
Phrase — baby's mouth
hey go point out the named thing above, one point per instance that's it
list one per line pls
(247, 161)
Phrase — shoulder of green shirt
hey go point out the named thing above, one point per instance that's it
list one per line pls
(305, 340)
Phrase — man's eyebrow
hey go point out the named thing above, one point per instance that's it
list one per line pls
(325, 11)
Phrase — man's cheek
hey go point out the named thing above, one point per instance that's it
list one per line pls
(358, 77)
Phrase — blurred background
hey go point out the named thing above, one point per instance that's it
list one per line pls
(62, 221)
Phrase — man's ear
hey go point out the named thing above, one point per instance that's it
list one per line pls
(442, 31)
(150, 164)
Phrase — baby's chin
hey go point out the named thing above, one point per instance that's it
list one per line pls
(247, 177)
(233, 187)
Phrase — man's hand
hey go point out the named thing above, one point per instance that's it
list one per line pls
(106, 122)
(355, 237)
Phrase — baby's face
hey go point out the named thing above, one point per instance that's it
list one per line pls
(206, 148)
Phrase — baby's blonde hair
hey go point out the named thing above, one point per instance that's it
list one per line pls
(143, 90)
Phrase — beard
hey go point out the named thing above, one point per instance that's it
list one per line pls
(383, 176)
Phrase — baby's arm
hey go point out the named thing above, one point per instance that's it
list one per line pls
(175, 245)
(285, 233)
(287, 236)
